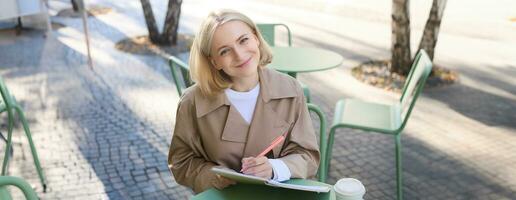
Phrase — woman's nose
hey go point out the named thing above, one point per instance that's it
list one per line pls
(239, 52)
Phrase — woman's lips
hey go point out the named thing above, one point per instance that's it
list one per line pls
(245, 63)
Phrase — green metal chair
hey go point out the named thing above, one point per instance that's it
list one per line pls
(10, 106)
(180, 74)
(386, 119)
(323, 170)
(17, 182)
(268, 32)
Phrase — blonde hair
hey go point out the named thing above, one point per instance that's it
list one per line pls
(210, 80)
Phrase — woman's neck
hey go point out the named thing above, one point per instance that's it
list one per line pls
(245, 84)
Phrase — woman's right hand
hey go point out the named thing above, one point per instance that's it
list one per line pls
(221, 182)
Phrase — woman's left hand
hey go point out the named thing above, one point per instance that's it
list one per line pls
(257, 166)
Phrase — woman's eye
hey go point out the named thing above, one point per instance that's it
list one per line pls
(223, 52)
(244, 40)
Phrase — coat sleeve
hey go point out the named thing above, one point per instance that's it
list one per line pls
(185, 158)
(301, 153)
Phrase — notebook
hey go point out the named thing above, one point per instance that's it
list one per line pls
(249, 179)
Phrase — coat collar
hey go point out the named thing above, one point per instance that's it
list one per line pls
(272, 86)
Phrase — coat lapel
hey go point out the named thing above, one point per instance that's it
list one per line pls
(267, 124)
(236, 128)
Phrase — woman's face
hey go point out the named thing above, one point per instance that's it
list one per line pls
(235, 50)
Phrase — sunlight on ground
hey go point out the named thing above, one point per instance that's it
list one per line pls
(129, 28)
(451, 130)
(154, 106)
(75, 40)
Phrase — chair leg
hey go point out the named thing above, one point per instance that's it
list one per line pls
(306, 90)
(11, 151)
(8, 146)
(329, 149)
(399, 183)
(32, 147)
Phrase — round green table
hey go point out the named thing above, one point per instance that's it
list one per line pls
(252, 192)
(293, 60)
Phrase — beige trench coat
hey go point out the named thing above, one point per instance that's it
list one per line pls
(210, 132)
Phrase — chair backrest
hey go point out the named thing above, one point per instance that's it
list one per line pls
(419, 72)
(323, 167)
(18, 182)
(180, 74)
(268, 32)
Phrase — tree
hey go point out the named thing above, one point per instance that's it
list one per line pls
(169, 34)
(429, 38)
(400, 49)
(400, 58)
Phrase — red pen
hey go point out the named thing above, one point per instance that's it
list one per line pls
(273, 144)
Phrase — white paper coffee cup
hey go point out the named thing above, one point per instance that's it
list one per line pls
(349, 189)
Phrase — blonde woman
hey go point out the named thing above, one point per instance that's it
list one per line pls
(236, 108)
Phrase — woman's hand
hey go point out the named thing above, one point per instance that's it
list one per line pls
(257, 166)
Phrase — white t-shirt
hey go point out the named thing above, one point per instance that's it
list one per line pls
(245, 103)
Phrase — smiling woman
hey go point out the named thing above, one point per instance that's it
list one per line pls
(237, 58)
(236, 109)
(228, 39)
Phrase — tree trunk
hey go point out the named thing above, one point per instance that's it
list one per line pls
(151, 22)
(431, 32)
(400, 49)
(169, 35)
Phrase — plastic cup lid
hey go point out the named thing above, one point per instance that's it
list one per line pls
(349, 187)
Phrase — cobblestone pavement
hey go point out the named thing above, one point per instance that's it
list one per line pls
(104, 133)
